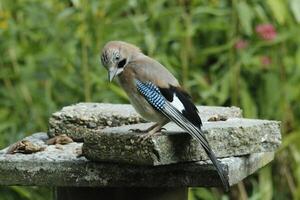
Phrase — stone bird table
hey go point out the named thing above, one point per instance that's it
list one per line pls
(89, 153)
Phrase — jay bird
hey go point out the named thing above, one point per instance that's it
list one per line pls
(155, 94)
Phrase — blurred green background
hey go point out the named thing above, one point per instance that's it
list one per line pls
(242, 53)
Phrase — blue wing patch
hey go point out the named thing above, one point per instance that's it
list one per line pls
(152, 94)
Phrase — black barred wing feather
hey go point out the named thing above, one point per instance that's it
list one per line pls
(175, 110)
(182, 101)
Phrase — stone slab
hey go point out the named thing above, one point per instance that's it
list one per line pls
(62, 167)
(234, 137)
(76, 120)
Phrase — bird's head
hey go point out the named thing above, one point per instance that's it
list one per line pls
(116, 55)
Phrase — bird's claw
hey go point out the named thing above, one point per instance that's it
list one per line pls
(142, 138)
(146, 136)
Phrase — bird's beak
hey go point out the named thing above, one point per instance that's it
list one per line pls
(112, 73)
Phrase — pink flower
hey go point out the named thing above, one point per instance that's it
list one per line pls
(266, 31)
(265, 60)
(241, 44)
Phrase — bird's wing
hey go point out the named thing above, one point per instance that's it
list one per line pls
(183, 103)
(176, 106)
(148, 69)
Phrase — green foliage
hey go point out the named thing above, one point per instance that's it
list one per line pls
(25, 193)
(50, 58)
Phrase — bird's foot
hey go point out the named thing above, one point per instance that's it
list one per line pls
(144, 137)
(154, 128)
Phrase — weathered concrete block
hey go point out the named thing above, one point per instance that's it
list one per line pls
(76, 120)
(61, 166)
(233, 137)
(79, 119)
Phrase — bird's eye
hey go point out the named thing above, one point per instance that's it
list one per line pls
(122, 63)
(117, 57)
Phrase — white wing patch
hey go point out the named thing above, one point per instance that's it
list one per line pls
(177, 103)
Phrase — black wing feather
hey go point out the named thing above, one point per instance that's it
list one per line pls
(190, 111)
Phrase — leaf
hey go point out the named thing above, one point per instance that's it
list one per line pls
(265, 181)
(25, 194)
(118, 91)
(261, 12)
(245, 14)
(200, 193)
(247, 102)
(295, 7)
(291, 138)
(279, 10)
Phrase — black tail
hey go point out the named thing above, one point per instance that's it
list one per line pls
(196, 132)
(219, 169)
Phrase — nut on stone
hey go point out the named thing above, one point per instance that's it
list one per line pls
(24, 146)
(60, 139)
(217, 117)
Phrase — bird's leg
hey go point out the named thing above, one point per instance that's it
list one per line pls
(145, 130)
(153, 130)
